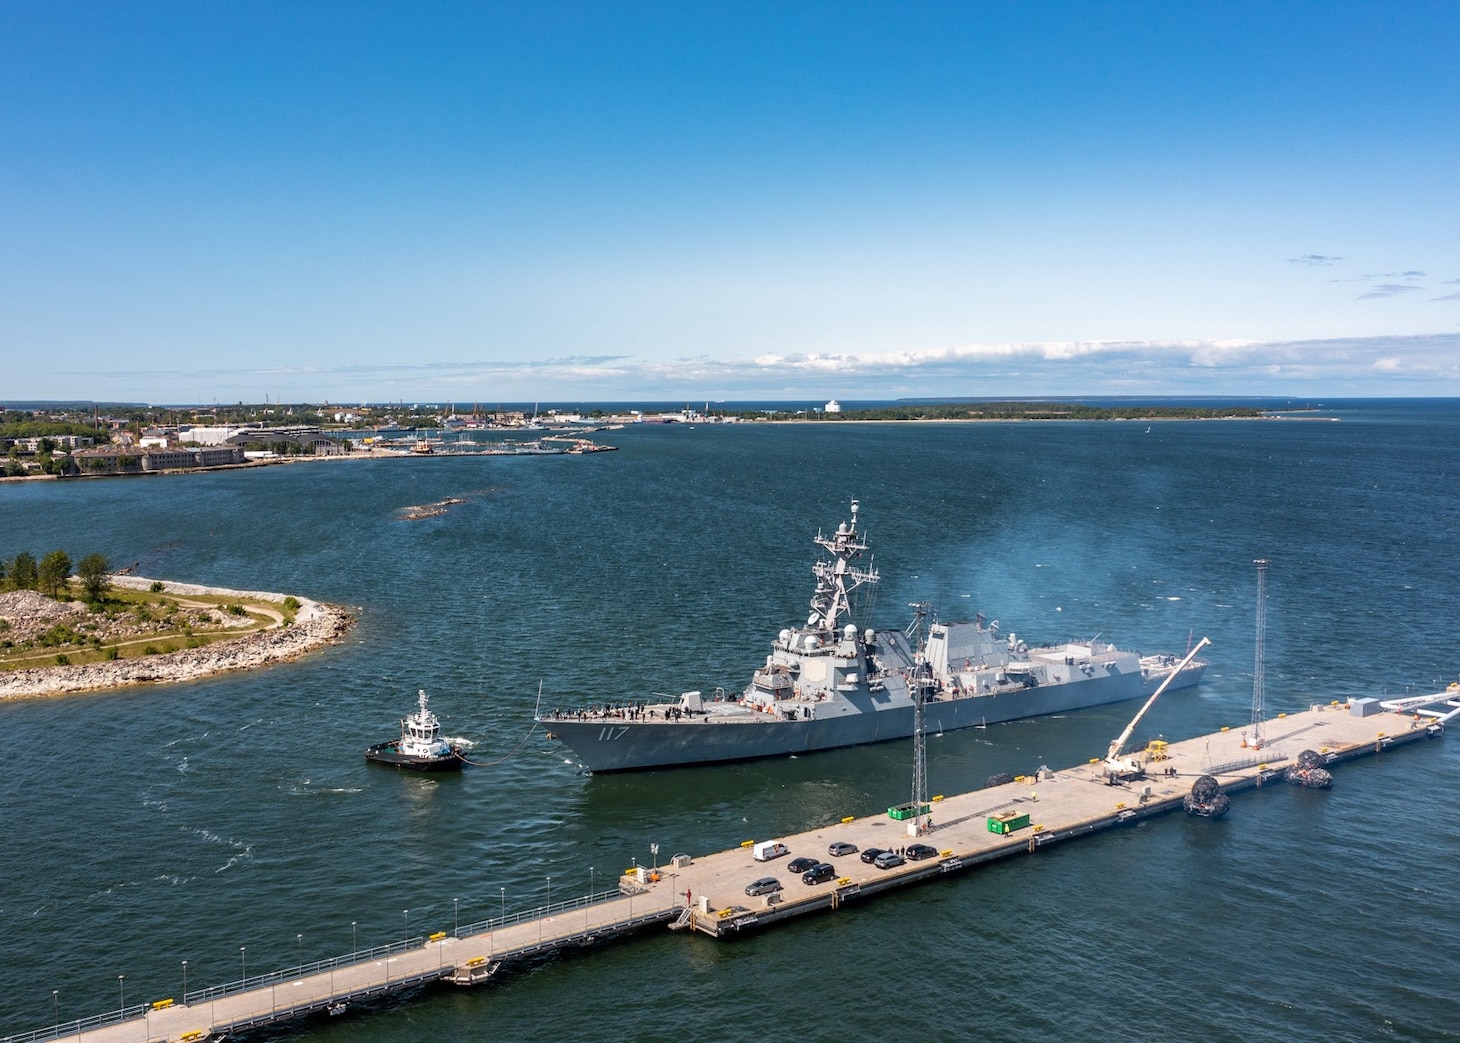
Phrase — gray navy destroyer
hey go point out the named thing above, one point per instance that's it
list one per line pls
(828, 684)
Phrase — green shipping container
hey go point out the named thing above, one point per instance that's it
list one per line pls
(906, 811)
(1007, 822)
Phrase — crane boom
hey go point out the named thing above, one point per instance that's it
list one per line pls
(1119, 744)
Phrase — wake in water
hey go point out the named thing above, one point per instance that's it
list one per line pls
(243, 852)
(306, 788)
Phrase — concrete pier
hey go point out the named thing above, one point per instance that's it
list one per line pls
(706, 894)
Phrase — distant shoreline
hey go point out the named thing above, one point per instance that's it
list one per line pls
(315, 625)
(396, 454)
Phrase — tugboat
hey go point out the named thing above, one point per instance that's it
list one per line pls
(420, 746)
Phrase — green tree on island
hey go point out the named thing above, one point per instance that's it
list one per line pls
(22, 571)
(54, 569)
(93, 572)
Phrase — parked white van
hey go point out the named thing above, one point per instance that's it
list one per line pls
(769, 849)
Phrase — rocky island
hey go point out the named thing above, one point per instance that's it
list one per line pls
(151, 631)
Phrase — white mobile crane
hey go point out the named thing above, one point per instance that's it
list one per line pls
(1119, 768)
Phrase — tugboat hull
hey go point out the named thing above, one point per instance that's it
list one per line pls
(388, 753)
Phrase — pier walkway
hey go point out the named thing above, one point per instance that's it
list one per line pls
(707, 894)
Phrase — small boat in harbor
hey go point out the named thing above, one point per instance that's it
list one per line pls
(420, 746)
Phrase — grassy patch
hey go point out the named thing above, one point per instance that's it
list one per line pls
(135, 623)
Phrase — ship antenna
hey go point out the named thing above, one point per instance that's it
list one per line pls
(921, 611)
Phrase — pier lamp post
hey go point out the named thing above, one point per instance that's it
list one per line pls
(122, 989)
(504, 903)
(243, 960)
(299, 940)
(185, 983)
(654, 850)
(550, 895)
(56, 1004)
(354, 938)
(407, 914)
(591, 884)
(455, 918)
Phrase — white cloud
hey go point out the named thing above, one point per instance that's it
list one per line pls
(1388, 289)
(1426, 365)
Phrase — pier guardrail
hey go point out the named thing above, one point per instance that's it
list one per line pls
(301, 970)
(78, 1025)
(540, 913)
(297, 971)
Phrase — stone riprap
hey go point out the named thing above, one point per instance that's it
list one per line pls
(315, 624)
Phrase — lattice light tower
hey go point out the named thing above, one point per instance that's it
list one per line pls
(920, 682)
(1257, 667)
(920, 756)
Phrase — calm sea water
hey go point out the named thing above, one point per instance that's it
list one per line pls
(147, 827)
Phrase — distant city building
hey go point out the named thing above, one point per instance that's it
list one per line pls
(210, 434)
(33, 445)
(129, 460)
(311, 440)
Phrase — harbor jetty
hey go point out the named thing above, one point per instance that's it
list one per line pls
(706, 894)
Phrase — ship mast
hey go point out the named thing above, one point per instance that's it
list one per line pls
(836, 579)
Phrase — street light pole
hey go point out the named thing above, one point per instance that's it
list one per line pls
(122, 989)
(185, 983)
(243, 960)
(407, 914)
(456, 917)
(299, 939)
(504, 903)
(354, 938)
(56, 1003)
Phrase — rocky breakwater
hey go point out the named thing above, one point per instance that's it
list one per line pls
(314, 624)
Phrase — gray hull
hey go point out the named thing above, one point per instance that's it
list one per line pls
(608, 744)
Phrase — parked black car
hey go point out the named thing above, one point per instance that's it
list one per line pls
(819, 873)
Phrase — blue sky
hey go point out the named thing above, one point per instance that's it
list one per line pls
(507, 202)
